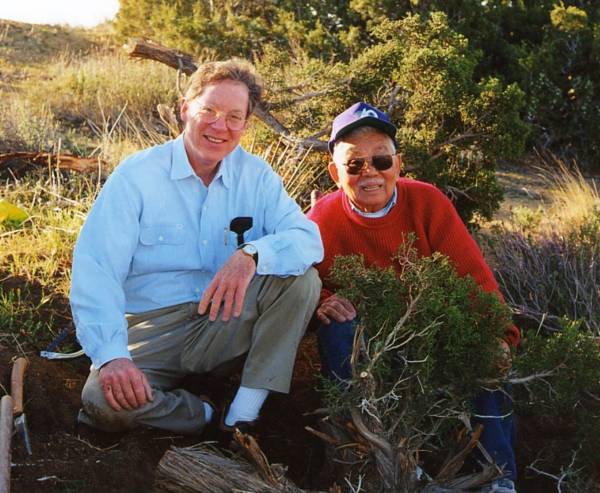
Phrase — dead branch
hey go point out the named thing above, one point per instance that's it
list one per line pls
(140, 48)
(146, 49)
(271, 121)
(256, 457)
(488, 473)
(18, 160)
(467, 442)
(169, 118)
(323, 436)
(492, 382)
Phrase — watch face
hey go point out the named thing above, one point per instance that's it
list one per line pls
(250, 249)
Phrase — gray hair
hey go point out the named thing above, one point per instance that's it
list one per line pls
(362, 131)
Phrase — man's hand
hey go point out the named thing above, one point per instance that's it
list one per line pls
(124, 385)
(228, 287)
(337, 308)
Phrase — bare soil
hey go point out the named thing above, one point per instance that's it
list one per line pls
(71, 457)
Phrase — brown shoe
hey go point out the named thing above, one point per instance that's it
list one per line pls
(226, 432)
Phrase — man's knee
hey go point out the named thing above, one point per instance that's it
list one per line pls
(97, 413)
(307, 287)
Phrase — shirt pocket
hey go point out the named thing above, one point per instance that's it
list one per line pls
(162, 235)
(161, 248)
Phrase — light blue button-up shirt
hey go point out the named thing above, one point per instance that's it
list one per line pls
(156, 236)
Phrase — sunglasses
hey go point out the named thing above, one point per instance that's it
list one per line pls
(380, 163)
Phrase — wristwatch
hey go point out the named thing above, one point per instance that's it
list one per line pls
(251, 251)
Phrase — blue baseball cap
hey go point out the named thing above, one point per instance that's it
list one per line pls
(359, 115)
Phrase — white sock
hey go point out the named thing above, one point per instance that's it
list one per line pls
(246, 405)
(208, 412)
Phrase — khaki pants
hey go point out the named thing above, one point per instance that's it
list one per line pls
(170, 343)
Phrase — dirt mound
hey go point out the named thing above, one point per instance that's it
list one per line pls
(71, 457)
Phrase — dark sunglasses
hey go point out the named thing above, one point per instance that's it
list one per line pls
(380, 163)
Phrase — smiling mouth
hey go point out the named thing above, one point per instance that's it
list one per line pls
(214, 140)
(371, 188)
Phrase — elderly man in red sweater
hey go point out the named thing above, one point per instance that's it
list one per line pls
(373, 211)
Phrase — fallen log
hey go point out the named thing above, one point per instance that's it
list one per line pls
(141, 48)
(19, 160)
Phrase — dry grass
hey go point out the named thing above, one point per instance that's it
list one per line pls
(24, 126)
(548, 260)
(300, 169)
(102, 85)
(573, 199)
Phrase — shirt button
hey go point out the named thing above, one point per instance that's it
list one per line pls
(161, 238)
(204, 242)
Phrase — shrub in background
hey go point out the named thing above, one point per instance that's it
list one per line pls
(453, 127)
(25, 126)
(560, 76)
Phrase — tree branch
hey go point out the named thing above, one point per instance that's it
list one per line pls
(140, 48)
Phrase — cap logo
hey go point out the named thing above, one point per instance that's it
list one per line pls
(368, 112)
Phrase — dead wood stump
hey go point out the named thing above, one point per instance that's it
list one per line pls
(204, 468)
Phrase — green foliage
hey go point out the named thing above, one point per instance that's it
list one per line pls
(567, 364)
(19, 314)
(568, 19)
(546, 51)
(560, 77)
(430, 337)
(452, 128)
(574, 357)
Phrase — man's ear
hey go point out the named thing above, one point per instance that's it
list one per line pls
(399, 162)
(333, 172)
(183, 109)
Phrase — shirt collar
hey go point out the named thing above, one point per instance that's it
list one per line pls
(381, 212)
(181, 167)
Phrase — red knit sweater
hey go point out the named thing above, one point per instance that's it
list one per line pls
(420, 209)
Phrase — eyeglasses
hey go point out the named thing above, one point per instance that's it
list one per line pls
(234, 120)
(380, 163)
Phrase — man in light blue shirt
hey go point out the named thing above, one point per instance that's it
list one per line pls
(192, 256)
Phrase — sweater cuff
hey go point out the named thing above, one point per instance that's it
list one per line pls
(325, 293)
(512, 336)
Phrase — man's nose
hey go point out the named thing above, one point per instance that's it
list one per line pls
(220, 122)
(369, 169)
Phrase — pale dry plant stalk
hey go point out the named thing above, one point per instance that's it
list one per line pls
(552, 270)
(300, 168)
(573, 198)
